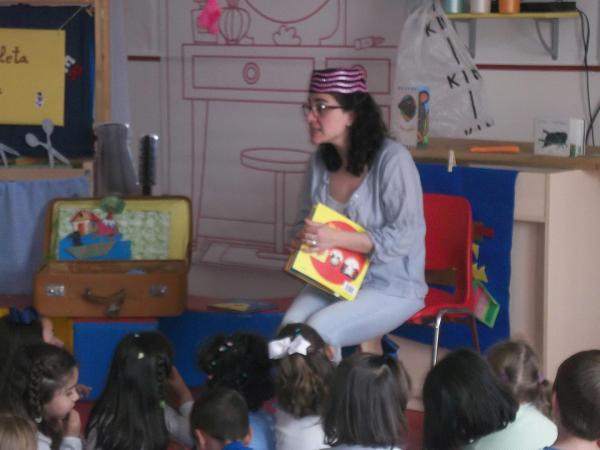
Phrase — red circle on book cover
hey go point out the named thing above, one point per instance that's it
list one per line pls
(341, 265)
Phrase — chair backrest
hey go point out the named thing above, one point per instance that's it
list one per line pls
(448, 242)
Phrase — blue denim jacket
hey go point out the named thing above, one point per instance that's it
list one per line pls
(389, 205)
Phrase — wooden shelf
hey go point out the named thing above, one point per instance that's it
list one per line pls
(529, 15)
(438, 150)
(551, 17)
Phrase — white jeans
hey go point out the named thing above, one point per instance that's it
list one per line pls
(342, 323)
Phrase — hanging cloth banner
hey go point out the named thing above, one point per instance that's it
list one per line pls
(32, 76)
(431, 55)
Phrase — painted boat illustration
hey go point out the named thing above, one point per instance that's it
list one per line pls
(91, 250)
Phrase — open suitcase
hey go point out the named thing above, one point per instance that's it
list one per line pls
(115, 257)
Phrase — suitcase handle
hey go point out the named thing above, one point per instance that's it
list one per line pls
(113, 302)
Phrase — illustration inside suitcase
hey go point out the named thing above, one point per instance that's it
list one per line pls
(114, 229)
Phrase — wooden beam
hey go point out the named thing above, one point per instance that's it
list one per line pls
(103, 67)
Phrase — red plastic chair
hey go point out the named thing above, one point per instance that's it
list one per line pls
(448, 243)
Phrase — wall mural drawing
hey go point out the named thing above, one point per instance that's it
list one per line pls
(237, 141)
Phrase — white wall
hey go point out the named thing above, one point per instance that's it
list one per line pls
(514, 98)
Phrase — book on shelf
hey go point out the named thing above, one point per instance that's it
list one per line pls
(338, 271)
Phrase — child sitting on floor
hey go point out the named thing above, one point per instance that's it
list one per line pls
(576, 402)
(464, 401)
(241, 362)
(132, 411)
(17, 433)
(219, 420)
(41, 385)
(517, 365)
(366, 406)
(21, 327)
(303, 380)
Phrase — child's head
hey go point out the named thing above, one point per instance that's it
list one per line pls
(366, 405)
(304, 369)
(220, 416)
(17, 433)
(517, 364)
(577, 395)
(41, 385)
(241, 362)
(26, 326)
(464, 400)
(134, 396)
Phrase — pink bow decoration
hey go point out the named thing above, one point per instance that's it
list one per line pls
(209, 17)
(286, 346)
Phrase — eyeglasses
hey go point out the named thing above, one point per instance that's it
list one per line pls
(318, 109)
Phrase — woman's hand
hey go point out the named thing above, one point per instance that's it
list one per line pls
(295, 243)
(319, 236)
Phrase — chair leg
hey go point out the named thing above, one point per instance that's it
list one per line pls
(474, 335)
(436, 338)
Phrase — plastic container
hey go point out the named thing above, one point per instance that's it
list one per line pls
(509, 6)
(480, 6)
(453, 6)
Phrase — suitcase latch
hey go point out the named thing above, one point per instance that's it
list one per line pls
(158, 290)
(55, 290)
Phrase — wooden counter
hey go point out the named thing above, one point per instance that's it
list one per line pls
(555, 253)
(438, 148)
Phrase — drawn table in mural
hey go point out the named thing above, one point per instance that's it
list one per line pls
(279, 161)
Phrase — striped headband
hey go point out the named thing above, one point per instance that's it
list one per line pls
(343, 80)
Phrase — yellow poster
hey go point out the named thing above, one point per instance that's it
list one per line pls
(32, 76)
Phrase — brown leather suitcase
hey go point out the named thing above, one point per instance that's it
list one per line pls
(80, 278)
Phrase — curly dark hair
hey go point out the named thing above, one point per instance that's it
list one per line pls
(240, 362)
(303, 382)
(367, 133)
(36, 373)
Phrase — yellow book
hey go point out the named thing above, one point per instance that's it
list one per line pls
(338, 271)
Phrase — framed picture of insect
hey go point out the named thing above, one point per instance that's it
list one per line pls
(558, 137)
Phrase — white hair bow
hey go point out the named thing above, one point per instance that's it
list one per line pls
(286, 346)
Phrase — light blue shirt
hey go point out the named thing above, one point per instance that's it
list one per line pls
(389, 205)
(530, 430)
(263, 430)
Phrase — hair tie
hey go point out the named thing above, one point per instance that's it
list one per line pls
(540, 379)
(286, 346)
(23, 316)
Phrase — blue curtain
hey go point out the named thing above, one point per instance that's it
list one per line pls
(22, 208)
(491, 193)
